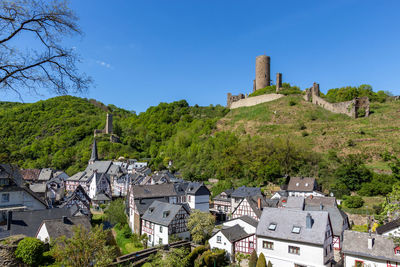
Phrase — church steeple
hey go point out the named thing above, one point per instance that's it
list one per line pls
(94, 156)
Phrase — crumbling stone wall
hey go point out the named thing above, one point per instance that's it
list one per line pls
(352, 108)
(255, 100)
(278, 82)
(233, 98)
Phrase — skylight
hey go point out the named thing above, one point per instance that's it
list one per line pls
(272, 227)
(296, 230)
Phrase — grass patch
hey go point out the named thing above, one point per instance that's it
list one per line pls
(97, 219)
(127, 245)
(360, 228)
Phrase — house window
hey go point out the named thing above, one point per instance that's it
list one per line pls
(5, 197)
(294, 250)
(296, 230)
(149, 238)
(160, 229)
(237, 200)
(219, 239)
(272, 227)
(251, 245)
(268, 245)
(160, 241)
(359, 263)
(188, 198)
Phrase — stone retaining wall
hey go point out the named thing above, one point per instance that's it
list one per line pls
(254, 100)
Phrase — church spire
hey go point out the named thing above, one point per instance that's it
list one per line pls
(94, 156)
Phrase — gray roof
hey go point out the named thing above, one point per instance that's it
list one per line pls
(388, 226)
(191, 188)
(99, 166)
(153, 191)
(285, 219)
(356, 243)
(157, 210)
(316, 201)
(302, 184)
(38, 188)
(336, 216)
(11, 172)
(64, 227)
(45, 174)
(101, 197)
(94, 157)
(28, 222)
(235, 233)
(295, 203)
(247, 219)
(228, 194)
(76, 177)
(244, 191)
(143, 204)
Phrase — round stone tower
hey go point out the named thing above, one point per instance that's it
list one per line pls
(262, 72)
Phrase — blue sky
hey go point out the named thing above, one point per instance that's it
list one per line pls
(141, 53)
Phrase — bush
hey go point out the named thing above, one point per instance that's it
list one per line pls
(350, 142)
(30, 251)
(253, 259)
(304, 133)
(353, 202)
(126, 231)
(292, 103)
(210, 258)
(194, 255)
(302, 126)
(261, 261)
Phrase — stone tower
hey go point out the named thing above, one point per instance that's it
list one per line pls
(262, 72)
(94, 157)
(278, 81)
(109, 124)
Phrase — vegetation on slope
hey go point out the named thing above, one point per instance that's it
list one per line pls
(286, 89)
(350, 92)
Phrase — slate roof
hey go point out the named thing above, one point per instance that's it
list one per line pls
(38, 188)
(228, 192)
(302, 184)
(388, 227)
(285, 219)
(28, 222)
(61, 175)
(101, 197)
(64, 227)
(247, 219)
(295, 203)
(356, 243)
(244, 191)
(191, 188)
(76, 176)
(155, 212)
(325, 201)
(143, 204)
(11, 172)
(45, 174)
(30, 174)
(100, 166)
(235, 233)
(153, 191)
(158, 176)
(94, 157)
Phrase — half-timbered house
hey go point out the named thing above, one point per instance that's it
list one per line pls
(78, 199)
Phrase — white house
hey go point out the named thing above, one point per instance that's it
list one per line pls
(54, 228)
(289, 237)
(195, 194)
(303, 187)
(161, 220)
(362, 249)
(236, 236)
(390, 228)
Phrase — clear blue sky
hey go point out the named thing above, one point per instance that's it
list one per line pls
(141, 53)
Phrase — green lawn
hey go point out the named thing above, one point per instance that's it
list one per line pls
(127, 245)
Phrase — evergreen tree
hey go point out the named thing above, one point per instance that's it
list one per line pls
(261, 261)
(253, 259)
(269, 264)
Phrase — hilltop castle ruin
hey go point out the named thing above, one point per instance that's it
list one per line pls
(108, 129)
(354, 108)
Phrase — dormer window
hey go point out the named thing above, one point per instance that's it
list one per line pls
(151, 210)
(306, 184)
(297, 184)
(272, 226)
(296, 230)
(165, 214)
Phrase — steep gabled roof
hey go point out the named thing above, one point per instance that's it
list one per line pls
(143, 204)
(45, 174)
(244, 191)
(11, 172)
(64, 227)
(94, 157)
(286, 219)
(302, 184)
(163, 213)
(388, 227)
(153, 191)
(235, 233)
(247, 219)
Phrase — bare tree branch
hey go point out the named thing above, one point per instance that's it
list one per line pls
(49, 65)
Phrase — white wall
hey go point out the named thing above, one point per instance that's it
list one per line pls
(158, 234)
(251, 101)
(22, 198)
(247, 227)
(279, 256)
(225, 244)
(305, 194)
(43, 234)
(350, 261)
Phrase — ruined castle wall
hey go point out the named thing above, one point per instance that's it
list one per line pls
(255, 100)
(347, 107)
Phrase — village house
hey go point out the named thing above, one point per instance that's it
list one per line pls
(303, 187)
(14, 195)
(389, 229)
(79, 199)
(236, 236)
(221, 205)
(364, 249)
(290, 237)
(162, 219)
(240, 193)
(252, 206)
(195, 194)
(50, 229)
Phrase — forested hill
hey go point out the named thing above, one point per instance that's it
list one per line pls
(58, 132)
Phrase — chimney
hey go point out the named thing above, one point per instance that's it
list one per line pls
(259, 203)
(9, 219)
(309, 221)
(370, 241)
(64, 219)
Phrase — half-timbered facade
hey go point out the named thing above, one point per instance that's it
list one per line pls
(161, 220)
(79, 199)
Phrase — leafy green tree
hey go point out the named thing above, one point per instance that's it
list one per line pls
(261, 261)
(85, 248)
(190, 259)
(144, 239)
(200, 225)
(115, 212)
(253, 259)
(352, 172)
(210, 258)
(391, 208)
(353, 202)
(30, 251)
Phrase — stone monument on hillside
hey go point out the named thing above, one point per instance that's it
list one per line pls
(263, 78)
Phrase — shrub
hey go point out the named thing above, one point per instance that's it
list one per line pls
(354, 202)
(350, 142)
(215, 257)
(253, 259)
(261, 261)
(269, 264)
(194, 255)
(292, 103)
(126, 231)
(302, 126)
(30, 251)
(304, 133)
